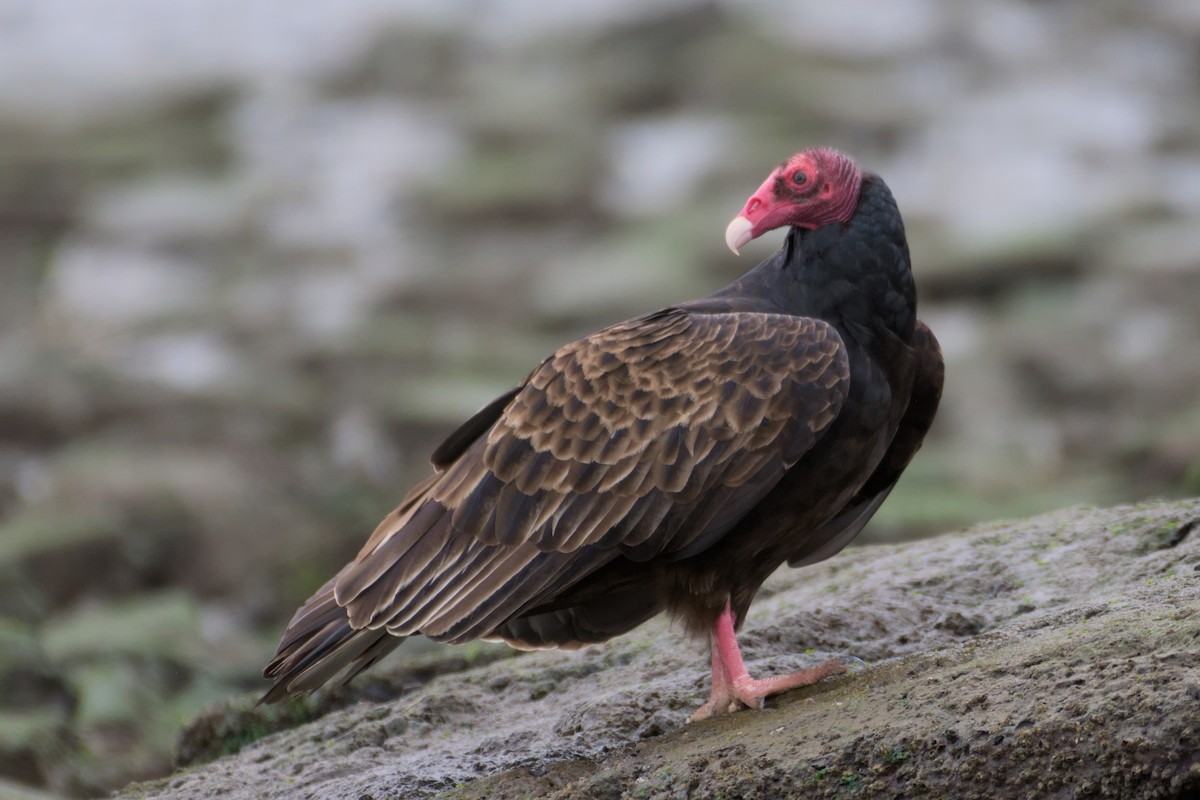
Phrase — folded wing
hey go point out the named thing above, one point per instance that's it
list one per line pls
(646, 440)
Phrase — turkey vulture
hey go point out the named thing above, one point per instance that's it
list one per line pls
(667, 463)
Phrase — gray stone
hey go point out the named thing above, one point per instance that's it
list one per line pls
(1035, 655)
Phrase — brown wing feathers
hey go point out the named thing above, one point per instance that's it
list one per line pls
(649, 438)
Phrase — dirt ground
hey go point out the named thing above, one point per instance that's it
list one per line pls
(1051, 657)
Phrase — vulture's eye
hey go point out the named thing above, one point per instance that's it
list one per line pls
(799, 178)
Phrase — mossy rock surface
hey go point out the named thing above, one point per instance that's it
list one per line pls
(1055, 655)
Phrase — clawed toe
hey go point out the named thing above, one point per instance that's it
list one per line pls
(732, 686)
(747, 692)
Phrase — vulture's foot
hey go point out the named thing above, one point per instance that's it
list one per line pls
(732, 686)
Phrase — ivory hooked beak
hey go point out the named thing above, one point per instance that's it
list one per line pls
(738, 233)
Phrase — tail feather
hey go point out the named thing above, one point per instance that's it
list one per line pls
(317, 613)
(318, 644)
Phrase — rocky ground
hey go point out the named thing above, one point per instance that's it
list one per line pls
(1052, 657)
(258, 257)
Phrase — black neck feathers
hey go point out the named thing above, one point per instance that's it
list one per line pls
(854, 275)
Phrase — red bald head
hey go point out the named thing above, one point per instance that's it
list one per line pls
(812, 188)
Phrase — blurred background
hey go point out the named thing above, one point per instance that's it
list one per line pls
(258, 256)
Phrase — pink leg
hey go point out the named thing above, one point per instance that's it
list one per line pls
(720, 700)
(731, 682)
